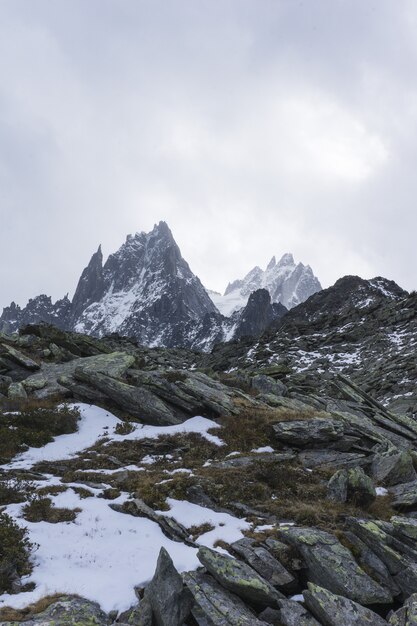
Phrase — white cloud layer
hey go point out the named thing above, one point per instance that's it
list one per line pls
(252, 127)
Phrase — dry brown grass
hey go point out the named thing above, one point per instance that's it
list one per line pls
(253, 427)
(42, 510)
(197, 531)
(7, 614)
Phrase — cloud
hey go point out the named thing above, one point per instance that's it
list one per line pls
(252, 128)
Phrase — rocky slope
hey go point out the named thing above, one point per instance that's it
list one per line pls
(365, 329)
(288, 283)
(146, 290)
(291, 500)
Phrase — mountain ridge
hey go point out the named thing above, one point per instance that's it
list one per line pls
(147, 290)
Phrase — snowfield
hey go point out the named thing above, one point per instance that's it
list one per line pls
(103, 554)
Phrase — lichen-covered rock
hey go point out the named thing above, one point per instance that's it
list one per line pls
(334, 610)
(239, 578)
(17, 391)
(331, 458)
(405, 527)
(170, 601)
(371, 563)
(68, 611)
(404, 496)
(139, 615)
(351, 485)
(378, 536)
(309, 431)
(218, 606)
(18, 357)
(393, 467)
(406, 615)
(295, 614)
(266, 384)
(37, 381)
(331, 565)
(264, 563)
(138, 401)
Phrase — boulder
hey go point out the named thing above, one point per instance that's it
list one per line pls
(264, 563)
(192, 393)
(295, 614)
(404, 496)
(406, 615)
(393, 467)
(267, 385)
(68, 611)
(378, 536)
(170, 601)
(18, 357)
(405, 528)
(239, 578)
(331, 458)
(17, 391)
(371, 563)
(137, 401)
(216, 605)
(351, 485)
(334, 610)
(37, 381)
(331, 565)
(309, 432)
(139, 615)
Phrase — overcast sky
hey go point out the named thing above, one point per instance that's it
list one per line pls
(253, 127)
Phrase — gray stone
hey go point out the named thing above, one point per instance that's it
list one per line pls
(218, 606)
(377, 536)
(330, 564)
(406, 615)
(295, 614)
(239, 578)
(267, 385)
(334, 610)
(393, 467)
(17, 391)
(309, 432)
(68, 611)
(139, 615)
(351, 485)
(19, 358)
(405, 495)
(170, 601)
(264, 563)
(37, 381)
(169, 526)
(331, 458)
(137, 401)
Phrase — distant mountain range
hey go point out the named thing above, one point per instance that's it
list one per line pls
(287, 282)
(146, 290)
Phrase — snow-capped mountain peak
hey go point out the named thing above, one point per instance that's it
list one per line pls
(288, 282)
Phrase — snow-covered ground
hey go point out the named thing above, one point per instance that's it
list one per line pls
(103, 554)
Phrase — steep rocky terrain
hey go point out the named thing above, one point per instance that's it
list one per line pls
(365, 329)
(176, 492)
(146, 290)
(288, 283)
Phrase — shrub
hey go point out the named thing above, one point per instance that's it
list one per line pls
(42, 510)
(34, 426)
(14, 552)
